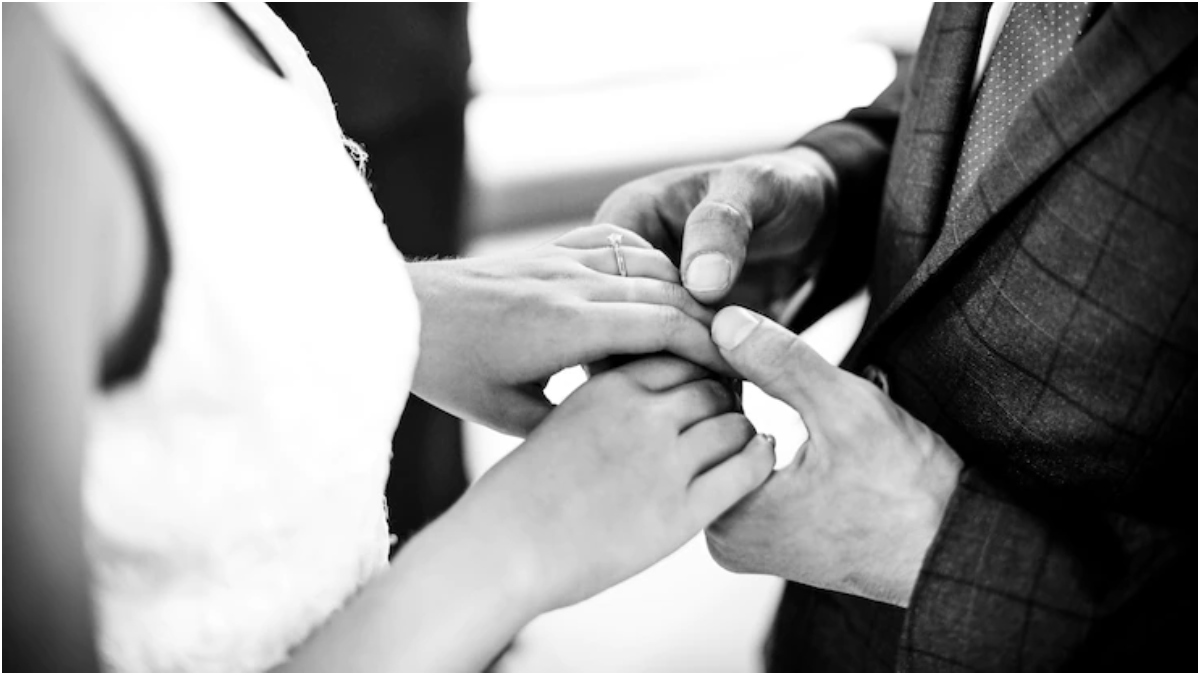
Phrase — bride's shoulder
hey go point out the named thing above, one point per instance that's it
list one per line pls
(76, 195)
(66, 186)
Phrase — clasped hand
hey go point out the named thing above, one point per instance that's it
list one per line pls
(632, 464)
(861, 504)
(494, 330)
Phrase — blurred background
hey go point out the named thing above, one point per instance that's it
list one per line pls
(500, 126)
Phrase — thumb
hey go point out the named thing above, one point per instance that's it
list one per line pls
(717, 232)
(774, 358)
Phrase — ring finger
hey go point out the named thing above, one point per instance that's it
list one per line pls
(639, 262)
(595, 236)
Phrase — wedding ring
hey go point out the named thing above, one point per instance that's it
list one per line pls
(614, 240)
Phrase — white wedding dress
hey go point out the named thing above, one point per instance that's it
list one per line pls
(234, 489)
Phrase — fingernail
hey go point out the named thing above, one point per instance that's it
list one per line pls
(732, 326)
(708, 272)
(768, 439)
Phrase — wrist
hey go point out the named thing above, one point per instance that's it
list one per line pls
(428, 278)
(468, 553)
(432, 283)
(939, 484)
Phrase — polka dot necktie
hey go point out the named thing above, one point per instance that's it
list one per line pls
(1035, 38)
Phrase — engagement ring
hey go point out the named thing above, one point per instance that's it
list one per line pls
(614, 240)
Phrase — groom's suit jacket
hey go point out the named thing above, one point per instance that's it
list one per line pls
(1049, 334)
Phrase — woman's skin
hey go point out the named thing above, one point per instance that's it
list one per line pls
(625, 471)
(557, 306)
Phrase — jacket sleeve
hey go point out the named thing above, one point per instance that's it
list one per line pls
(1016, 583)
(858, 147)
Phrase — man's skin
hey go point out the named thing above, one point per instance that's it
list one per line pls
(858, 508)
(1046, 331)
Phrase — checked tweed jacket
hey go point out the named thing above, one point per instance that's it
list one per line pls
(1049, 334)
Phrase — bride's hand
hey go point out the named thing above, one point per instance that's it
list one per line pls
(495, 329)
(630, 467)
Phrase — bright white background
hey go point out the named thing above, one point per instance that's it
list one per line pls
(577, 98)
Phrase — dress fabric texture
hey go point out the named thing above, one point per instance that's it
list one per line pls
(234, 489)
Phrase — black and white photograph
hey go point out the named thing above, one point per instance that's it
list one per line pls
(521, 336)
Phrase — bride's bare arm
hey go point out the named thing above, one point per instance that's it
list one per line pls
(450, 601)
(626, 470)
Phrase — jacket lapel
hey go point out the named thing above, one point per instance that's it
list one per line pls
(1118, 57)
(927, 145)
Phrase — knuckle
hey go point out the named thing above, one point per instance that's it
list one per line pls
(614, 200)
(715, 550)
(864, 388)
(563, 311)
(555, 268)
(670, 320)
(747, 476)
(762, 466)
(741, 429)
(713, 394)
(731, 428)
(721, 210)
(872, 407)
(672, 294)
(795, 351)
(725, 553)
(639, 194)
(753, 171)
(780, 359)
(621, 389)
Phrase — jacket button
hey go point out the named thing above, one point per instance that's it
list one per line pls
(875, 375)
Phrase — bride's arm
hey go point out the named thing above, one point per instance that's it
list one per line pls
(627, 469)
(450, 601)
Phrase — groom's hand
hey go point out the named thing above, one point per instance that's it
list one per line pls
(859, 507)
(741, 231)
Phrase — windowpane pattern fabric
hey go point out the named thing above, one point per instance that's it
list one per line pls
(1050, 337)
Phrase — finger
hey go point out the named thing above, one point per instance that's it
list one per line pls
(657, 206)
(694, 402)
(639, 262)
(596, 236)
(634, 328)
(663, 373)
(712, 441)
(717, 232)
(716, 490)
(606, 364)
(649, 292)
(775, 359)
